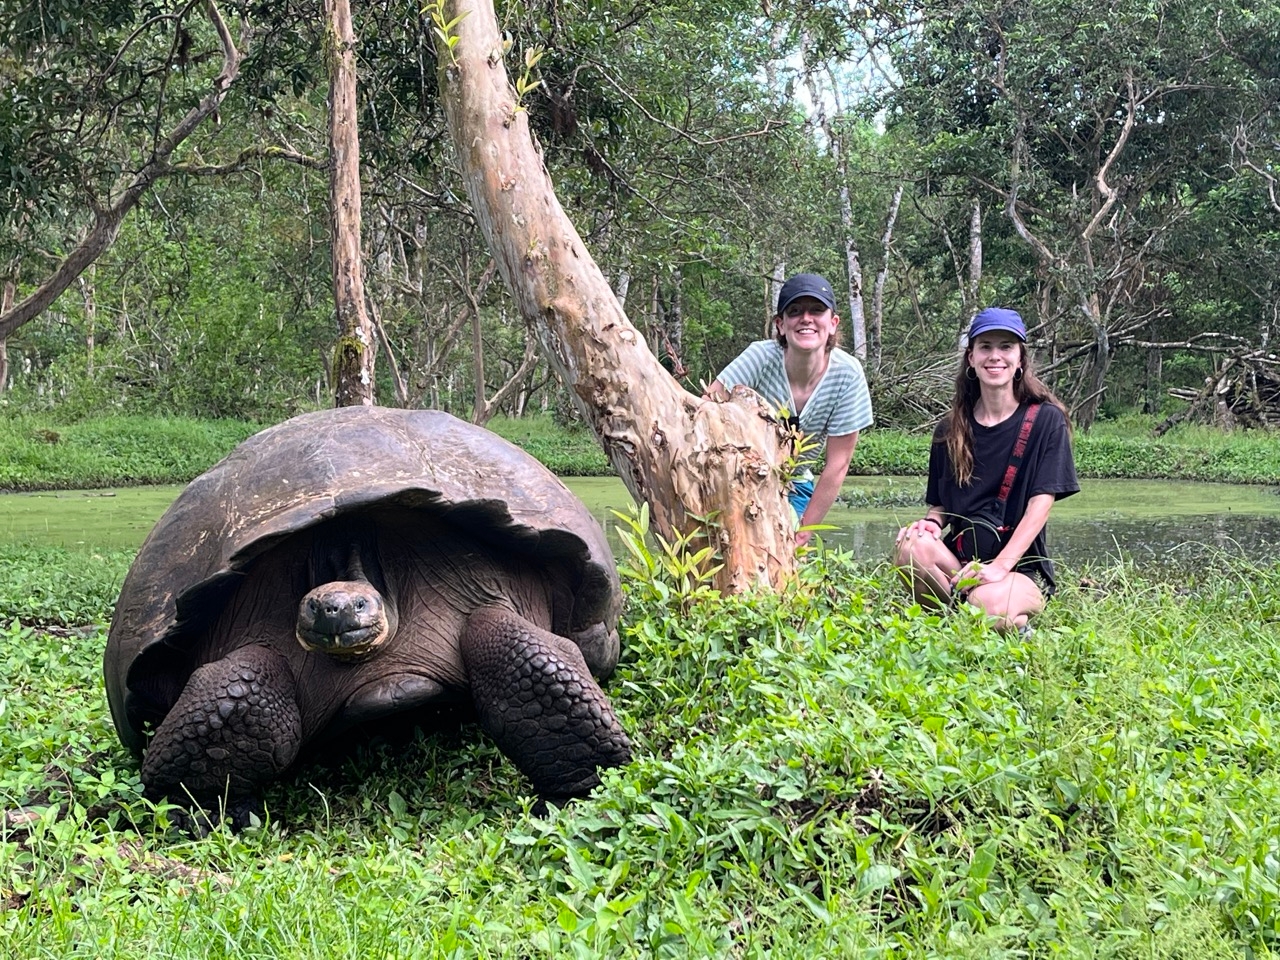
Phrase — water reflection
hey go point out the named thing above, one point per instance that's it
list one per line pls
(1157, 525)
(1177, 543)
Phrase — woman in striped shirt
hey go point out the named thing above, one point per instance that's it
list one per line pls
(812, 383)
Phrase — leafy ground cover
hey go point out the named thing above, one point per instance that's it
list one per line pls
(38, 454)
(833, 772)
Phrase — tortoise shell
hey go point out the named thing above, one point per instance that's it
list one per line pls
(335, 463)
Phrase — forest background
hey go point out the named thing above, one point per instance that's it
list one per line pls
(1113, 178)
(828, 771)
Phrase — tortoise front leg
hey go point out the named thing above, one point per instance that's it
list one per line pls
(537, 699)
(235, 727)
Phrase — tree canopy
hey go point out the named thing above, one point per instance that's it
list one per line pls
(1118, 172)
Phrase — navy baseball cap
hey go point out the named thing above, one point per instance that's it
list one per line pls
(998, 318)
(806, 285)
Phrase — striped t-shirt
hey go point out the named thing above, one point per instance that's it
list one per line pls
(839, 405)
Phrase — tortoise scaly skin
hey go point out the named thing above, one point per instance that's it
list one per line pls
(356, 564)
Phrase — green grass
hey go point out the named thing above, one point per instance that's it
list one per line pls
(37, 454)
(565, 452)
(40, 454)
(56, 585)
(832, 772)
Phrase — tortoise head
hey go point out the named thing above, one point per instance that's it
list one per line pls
(347, 619)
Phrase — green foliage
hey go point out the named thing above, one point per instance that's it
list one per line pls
(204, 324)
(528, 81)
(38, 453)
(1123, 449)
(1187, 452)
(680, 572)
(111, 451)
(567, 452)
(445, 30)
(54, 586)
(892, 452)
(828, 772)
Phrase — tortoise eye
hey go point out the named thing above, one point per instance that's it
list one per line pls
(360, 603)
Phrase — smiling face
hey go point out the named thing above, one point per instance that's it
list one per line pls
(995, 357)
(807, 324)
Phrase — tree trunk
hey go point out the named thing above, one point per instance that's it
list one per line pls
(835, 140)
(397, 378)
(773, 290)
(686, 457)
(479, 409)
(1155, 381)
(7, 293)
(355, 353)
(621, 286)
(670, 323)
(975, 260)
(882, 276)
(89, 291)
(852, 261)
(485, 409)
(1095, 373)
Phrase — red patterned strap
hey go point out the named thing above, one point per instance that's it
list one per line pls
(1015, 460)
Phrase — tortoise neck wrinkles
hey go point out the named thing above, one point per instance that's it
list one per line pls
(428, 570)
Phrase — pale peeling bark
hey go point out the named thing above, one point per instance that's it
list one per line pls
(353, 359)
(882, 277)
(975, 258)
(7, 292)
(686, 457)
(852, 257)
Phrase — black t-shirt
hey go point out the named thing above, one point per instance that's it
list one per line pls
(1046, 467)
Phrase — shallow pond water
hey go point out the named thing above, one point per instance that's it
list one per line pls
(1152, 523)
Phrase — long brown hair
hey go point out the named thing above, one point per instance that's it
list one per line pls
(957, 432)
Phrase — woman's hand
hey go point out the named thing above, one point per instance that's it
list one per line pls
(975, 573)
(919, 529)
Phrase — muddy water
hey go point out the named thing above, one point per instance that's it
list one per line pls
(1152, 523)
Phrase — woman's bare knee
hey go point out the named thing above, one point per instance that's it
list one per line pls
(1010, 602)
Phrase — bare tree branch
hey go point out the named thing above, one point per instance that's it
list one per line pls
(106, 226)
(769, 125)
(1240, 144)
(1105, 190)
(485, 409)
(1047, 256)
(259, 152)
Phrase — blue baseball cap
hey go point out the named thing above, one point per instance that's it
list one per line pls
(806, 285)
(998, 318)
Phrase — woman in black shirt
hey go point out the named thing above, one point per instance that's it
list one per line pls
(999, 460)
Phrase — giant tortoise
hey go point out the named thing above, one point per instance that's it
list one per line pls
(352, 564)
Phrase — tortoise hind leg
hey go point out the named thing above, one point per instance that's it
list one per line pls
(235, 727)
(537, 699)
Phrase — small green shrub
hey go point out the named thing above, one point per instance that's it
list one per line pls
(566, 451)
(54, 586)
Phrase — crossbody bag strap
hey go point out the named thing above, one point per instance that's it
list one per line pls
(1015, 461)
